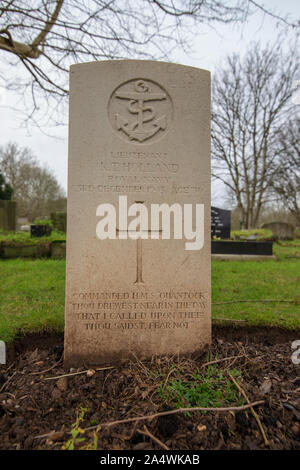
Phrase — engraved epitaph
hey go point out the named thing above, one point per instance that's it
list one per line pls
(220, 222)
(140, 129)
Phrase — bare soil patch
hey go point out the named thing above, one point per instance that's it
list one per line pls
(31, 406)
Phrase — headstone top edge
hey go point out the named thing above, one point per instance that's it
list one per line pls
(220, 208)
(100, 63)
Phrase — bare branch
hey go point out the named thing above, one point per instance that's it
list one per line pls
(251, 101)
(45, 37)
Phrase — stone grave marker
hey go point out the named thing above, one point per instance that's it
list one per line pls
(8, 215)
(139, 139)
(280, 230)
(220, 222)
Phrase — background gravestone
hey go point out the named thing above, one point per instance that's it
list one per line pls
(59, 221)
(21, 221)
(220, 222)
(140, 129)
(8, 215)
(40, 230)
(280, 230)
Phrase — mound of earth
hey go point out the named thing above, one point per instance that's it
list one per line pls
(40, 402)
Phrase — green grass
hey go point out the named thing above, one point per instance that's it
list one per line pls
(211, 388)
(24, 238)
(288, 249)
(32, 292)
(277, 280)
(31, 296)
(250, 280)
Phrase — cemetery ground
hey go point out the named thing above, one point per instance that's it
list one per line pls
(256, 317)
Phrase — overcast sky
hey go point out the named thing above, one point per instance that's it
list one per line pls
(208, 49)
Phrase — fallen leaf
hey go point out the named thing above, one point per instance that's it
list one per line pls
(33, 356)
(62, 384)
(201, 427)
(56, 394)
(291, 407)
(141, 446)
(57, 436)
(265, 386)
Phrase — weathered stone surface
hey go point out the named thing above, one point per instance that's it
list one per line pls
(8, 215)
(126, 296)
(280, 230)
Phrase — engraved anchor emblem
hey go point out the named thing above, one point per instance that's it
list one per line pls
(145, 113)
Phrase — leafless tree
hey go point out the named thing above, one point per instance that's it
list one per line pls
(34, 188)
(252, 99)
(16, 164)
(46, 36)
(286, 182)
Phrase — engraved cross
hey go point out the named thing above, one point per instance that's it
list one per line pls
(154, 234)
